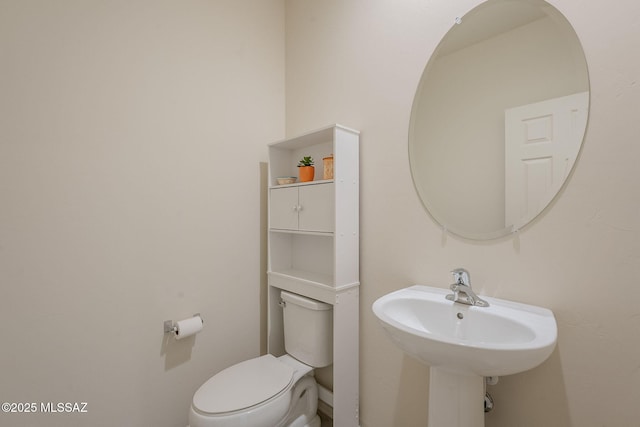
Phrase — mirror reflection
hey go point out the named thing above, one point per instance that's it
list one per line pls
(498, 118)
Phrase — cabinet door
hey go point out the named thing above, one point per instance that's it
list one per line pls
(283, 210)
(316, 210)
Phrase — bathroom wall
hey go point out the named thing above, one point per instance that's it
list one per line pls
(131, 136)
(358, 62)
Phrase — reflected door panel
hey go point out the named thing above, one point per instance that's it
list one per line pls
(542, 141)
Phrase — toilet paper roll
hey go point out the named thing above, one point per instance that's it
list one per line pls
(186, 328)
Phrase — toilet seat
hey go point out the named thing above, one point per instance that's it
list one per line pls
(244, 385)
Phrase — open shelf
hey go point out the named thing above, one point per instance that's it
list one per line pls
(298, 184)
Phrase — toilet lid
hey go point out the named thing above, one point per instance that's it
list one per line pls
(243, 385)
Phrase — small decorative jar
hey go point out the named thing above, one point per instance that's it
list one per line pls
(328, 167)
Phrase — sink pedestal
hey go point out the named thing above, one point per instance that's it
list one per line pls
(455, 399)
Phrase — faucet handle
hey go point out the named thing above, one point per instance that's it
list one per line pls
(461, 277)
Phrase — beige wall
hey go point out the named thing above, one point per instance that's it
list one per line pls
(358, 62)
(124, 127)
(131, 135)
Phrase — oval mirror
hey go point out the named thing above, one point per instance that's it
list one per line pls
(498, 118)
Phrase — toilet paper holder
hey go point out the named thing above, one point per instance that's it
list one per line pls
(172, 327)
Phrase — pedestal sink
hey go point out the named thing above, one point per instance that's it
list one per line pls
(462, 344)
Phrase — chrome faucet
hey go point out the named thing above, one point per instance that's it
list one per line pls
(462, 291)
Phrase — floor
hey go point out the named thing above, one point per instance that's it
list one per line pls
(326, 421)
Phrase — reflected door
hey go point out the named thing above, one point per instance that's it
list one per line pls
(542, 141)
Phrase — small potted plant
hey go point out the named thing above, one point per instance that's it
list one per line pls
(306, 171)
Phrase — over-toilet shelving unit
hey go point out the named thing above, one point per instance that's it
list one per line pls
(313, 250)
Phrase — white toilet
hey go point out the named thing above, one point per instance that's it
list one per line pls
(269, 391)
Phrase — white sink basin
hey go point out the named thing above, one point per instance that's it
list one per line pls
(504, 338)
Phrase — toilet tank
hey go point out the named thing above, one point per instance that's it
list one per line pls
(308, 329)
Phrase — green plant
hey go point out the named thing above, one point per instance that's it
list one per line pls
(306, 161)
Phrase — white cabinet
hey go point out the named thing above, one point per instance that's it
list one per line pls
(305, 208)
(313, 250)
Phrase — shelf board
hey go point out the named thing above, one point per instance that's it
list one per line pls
(318, 279)
(301, 184)
(302, 232)
(312, 138)
(313, 285)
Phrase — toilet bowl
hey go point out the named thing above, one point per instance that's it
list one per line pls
(267, 391)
